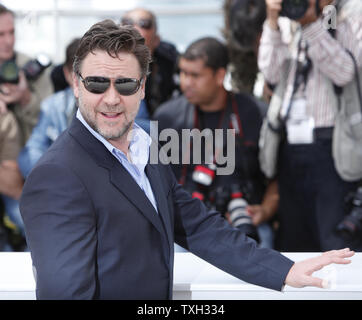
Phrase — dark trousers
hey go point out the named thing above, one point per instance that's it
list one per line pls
(312, 196)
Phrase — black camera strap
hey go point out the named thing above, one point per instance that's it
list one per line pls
(303, 67)
(230, 119)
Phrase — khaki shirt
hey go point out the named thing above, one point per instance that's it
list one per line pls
(27, 116)
(10, 139)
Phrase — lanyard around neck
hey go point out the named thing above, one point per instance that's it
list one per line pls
(230, 118)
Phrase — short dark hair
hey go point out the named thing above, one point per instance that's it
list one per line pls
(112, 38)
(212, 51)
(70, 52)
(4, 10)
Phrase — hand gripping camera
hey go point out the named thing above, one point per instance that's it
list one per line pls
(9, 71)
(295, 9)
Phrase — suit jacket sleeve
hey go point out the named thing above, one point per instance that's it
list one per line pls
(209, 236)
(60, 229)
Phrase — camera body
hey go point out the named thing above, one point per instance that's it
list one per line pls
(9, 71)
(202, 178)
(295, 9)
(204, 174)
(351, 226)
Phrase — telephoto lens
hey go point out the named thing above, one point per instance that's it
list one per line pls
(239, 216)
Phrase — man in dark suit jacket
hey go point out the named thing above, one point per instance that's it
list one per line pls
(101, 221)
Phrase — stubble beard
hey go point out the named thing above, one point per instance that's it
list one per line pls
(107, 133)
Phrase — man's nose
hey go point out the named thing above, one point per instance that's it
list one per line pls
(111, 96)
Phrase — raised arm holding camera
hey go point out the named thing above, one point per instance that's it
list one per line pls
(23, 84)
(312, 193)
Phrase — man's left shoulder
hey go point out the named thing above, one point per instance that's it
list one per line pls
(250, 104)
(172, 110)
(167, 50)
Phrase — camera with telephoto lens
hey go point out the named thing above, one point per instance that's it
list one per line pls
(294, 9)
(232, 199)
(239, 216)
(352, 223)
(9, 71)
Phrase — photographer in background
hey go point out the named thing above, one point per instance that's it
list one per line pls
(160, 83)
(18, 93)
(243, 27)
(23, 84)
(312, 194)
(243, 196)
(11, 183)
(57, 111)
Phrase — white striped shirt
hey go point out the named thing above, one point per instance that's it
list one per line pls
(328, 57)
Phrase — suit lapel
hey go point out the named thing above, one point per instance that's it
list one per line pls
(119, 176)
(124, 182)
(160, 195)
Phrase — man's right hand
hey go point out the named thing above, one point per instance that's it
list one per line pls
(16, 93)
(273, 8)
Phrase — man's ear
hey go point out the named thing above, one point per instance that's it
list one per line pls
(75, 85)
(220, 76)
(143, 87)
(68, 75)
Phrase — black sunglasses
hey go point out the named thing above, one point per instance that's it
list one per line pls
(124, 86)
(142, 23)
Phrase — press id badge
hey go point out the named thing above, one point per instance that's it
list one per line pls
(300, 127)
